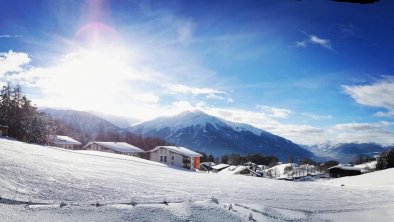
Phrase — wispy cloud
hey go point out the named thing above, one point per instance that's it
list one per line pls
(314, 39)
(185, 32)
(275, 112)
(316, 116)
(209, 93)
(379, 94)
(10, 36)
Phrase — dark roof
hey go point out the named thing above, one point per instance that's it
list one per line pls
(2, 126)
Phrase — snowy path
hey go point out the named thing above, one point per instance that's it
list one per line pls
(44, 175)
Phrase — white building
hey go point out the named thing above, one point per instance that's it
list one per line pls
(177, 156)
(66, 142)
(115, 147)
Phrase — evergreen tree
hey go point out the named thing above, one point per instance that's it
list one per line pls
(24, 121)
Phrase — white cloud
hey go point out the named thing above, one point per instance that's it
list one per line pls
(379, 94)
(275, 112)
(316, 117)
(314, 39)
(11, 62)
(364, 132)
(326, 43)
(180, 88)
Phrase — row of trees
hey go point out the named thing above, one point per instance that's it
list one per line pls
(24, 121)
(237, 159)
(385, 160)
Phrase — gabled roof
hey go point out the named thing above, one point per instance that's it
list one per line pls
(65, 140)
(121, 147)
(178, 149)
(220, 166)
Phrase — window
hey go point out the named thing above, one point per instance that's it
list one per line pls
(161, 158)
(165, 158)
(172, 158)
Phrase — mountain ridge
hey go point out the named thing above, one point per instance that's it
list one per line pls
(210, 134)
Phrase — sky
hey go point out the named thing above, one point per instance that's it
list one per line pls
(310, 71)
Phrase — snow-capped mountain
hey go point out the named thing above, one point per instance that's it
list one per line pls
(202, 132)
(345, 152)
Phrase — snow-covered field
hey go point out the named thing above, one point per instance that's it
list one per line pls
(50, 184)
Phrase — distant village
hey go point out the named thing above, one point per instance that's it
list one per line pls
(185, 158)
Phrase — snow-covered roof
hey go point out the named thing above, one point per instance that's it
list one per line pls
(121, 147)
(178, 149)
(233, 170)
(366, 166)
(345, 167)
(65, 140)
(220, 166)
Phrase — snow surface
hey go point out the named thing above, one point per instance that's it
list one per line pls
(51, 184)
(382, 178)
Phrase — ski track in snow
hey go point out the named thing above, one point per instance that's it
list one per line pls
(52, 184)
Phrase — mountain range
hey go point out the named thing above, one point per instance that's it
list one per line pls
(346, 152)
(202, 132)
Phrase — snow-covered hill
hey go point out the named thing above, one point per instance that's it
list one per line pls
(202, 132)
(51, 184)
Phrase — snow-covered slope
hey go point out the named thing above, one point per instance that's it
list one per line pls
(383, 178)
(202, 132)
(51, 184)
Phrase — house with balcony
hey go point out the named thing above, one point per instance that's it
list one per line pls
(175, 156)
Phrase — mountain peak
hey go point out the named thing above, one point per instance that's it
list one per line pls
(203, 132)
(194, 112)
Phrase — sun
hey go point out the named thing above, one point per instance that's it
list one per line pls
(94, 72)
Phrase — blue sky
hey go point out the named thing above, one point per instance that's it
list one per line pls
(310, 71)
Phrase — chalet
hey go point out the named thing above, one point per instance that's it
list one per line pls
(3, 130)
(115, 147)
(177, 156)
(66, 142)
(343, 171)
